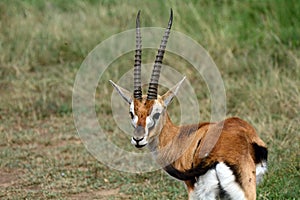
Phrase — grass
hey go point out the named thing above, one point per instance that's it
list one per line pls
(255, 45)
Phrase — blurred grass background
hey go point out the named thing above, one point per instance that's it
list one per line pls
(255, 44)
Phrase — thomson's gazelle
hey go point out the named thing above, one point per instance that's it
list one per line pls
(233, 167)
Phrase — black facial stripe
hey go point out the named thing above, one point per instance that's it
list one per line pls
(131, 115)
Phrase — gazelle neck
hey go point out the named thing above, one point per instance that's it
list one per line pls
(164, 130)
(168, 132)
(165, 141)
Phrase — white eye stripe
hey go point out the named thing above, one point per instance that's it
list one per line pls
(134, 118)
(154, 116)
(149, 122)
(156, 111)
(151, 119)
(131, 108)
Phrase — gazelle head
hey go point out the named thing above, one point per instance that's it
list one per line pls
(147, 112)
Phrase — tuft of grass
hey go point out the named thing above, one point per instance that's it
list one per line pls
(255, 44)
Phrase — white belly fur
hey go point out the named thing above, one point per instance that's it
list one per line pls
(209, 185)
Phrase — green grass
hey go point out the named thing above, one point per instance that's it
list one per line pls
(255, 44)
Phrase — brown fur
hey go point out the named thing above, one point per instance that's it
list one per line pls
(188, 152)
(181, 147)
(142, 108)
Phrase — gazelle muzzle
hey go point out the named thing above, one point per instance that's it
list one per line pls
(139, 139)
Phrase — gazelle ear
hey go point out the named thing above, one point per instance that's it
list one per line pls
(168, 96)
(125, 94)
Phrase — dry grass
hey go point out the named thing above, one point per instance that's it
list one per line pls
(254, 44)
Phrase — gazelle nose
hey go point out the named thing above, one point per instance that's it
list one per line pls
(139, 132)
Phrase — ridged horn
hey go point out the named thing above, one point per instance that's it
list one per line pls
(137, 93)
(153, 85)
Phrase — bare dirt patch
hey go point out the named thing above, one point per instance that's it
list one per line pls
(100, 194)
(9, 178)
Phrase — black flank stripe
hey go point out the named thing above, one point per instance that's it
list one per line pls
(190, 174)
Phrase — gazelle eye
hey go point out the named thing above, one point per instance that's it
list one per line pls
(131, 115)
(156, 116)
